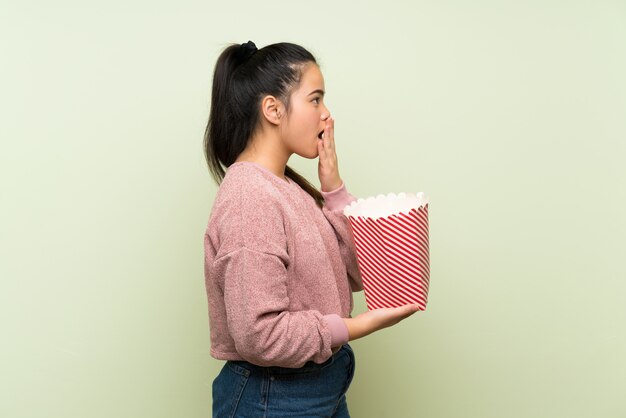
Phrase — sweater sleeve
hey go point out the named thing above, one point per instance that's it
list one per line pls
(335, 201)
(253, 277)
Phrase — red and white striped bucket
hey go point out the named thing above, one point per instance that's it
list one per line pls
(391, 238)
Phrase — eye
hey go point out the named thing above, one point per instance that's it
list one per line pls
(317, 98)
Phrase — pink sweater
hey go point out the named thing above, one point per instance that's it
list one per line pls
(279, 272)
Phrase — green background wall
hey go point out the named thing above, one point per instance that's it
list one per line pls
(510, 116)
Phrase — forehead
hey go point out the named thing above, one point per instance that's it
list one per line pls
(312, 79)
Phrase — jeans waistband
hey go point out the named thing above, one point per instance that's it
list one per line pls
(308, 366)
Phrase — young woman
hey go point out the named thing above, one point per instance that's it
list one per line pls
(280, 261)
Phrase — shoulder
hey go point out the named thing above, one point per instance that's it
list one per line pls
(247, 188)
(248, 212)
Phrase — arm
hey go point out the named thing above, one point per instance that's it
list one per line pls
(335, 202)
(253, 279)
(370, 321)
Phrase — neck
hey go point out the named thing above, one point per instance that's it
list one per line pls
(266, 150)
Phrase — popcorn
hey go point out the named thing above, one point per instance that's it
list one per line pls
(391, 237)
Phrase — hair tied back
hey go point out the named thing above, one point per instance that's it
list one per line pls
(246, 50)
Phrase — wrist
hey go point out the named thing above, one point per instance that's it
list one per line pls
(357, 328)
(331, 187)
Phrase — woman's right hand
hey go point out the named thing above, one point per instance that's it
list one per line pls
(377, 319)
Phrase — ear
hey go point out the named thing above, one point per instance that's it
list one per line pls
(272, 109)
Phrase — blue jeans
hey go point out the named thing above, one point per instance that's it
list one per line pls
(243, 389)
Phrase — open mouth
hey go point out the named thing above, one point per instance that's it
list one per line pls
(321, 135)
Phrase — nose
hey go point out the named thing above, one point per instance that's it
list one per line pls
(326, 115)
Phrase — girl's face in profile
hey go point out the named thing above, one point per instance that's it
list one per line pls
(301, 131)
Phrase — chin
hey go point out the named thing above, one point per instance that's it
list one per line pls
(309, 154)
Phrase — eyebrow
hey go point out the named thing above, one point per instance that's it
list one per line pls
(317, 91)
